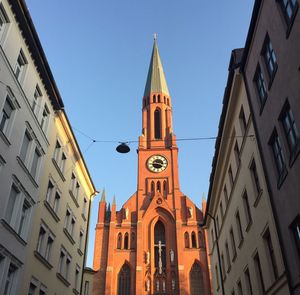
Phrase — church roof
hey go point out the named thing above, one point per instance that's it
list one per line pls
(156, 81)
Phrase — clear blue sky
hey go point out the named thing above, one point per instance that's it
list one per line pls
(99, 53)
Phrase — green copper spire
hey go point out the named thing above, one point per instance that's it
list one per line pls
(156, 81)
(103, 196)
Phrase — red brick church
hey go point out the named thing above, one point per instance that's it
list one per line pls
(154, 244)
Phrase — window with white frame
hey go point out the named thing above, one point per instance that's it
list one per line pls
(37, 95)
(74, 187)
(4, 21)
(45, 242)
(36, 287)
(20, 66)
(35, 162)
(81, 234)
(25, 147)
(45, 118)
(64, 263)
(7, 114)
(52, 197)
(18, 210)
(10, 280)
(77, 278)
(59, 156)
(70, 221)
(84, 207)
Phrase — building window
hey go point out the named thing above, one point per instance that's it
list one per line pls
(20, 66)
(119, 241)
(289, 9)
(77, 277)
(194, 242)
(230, 174)
(81, 233)
(52, 197)
(64, 264)
(248, 282)
(247, 208)
(225, 195)
(269, 57)
(10, 280)
(86, 287)
(37, 95)
(255, 178)
(223, 267)
(259, 273)
(59, 157)
(45, 242)
(239, 226)
(239, 288)
(157, 124)
(217, 276)
(124, 280)
(186, 240)
(27, 140)
(18, 211)
(290, 129)
(260, 86)
(45, 118)
(237, 154)
(4, 21)
(242, 120)
(233, 246)
(196, 280)
(35, 162)
(70, 221)
(227, 256)
(7, 114)
(271, 252)
(295, 227)
(84, 206)
(278, 155)
(126, 243)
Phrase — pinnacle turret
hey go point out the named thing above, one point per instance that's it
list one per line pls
(103, 196)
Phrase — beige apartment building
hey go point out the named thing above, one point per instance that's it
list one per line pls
(243, 243)
(45, 187)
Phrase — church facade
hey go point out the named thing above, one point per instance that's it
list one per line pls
(155, 243)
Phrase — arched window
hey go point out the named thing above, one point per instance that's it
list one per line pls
(158, 186)
(157, 124)
(126, 241)
(159, 244)
(119, 241)
(194, 242)
(165, 188)
(152, 187)
(158, 98)
(186, 240)
(154, 98)
(124, 280)
(168, 102)
(132, 245)
(196, 280)
(164, 99)
(201, 240)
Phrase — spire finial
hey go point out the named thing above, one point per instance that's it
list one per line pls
(114, 200)
(155, 36)
(103, 196)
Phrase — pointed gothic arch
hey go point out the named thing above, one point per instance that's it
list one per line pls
(186, 240)
(154, 98)
(196, 280)
(158, 98)
(158, 186)
(124, 280)
(160, 243)
(165, 189)
(119, 241)
(152, 187)
(126, 241)
(157, 124)
(194, 242)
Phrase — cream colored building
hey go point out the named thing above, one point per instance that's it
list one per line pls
(46, 189)
(239, 216)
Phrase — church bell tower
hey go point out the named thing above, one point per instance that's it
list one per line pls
(154, 244)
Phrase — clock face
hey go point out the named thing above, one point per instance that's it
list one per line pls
(157, 163)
